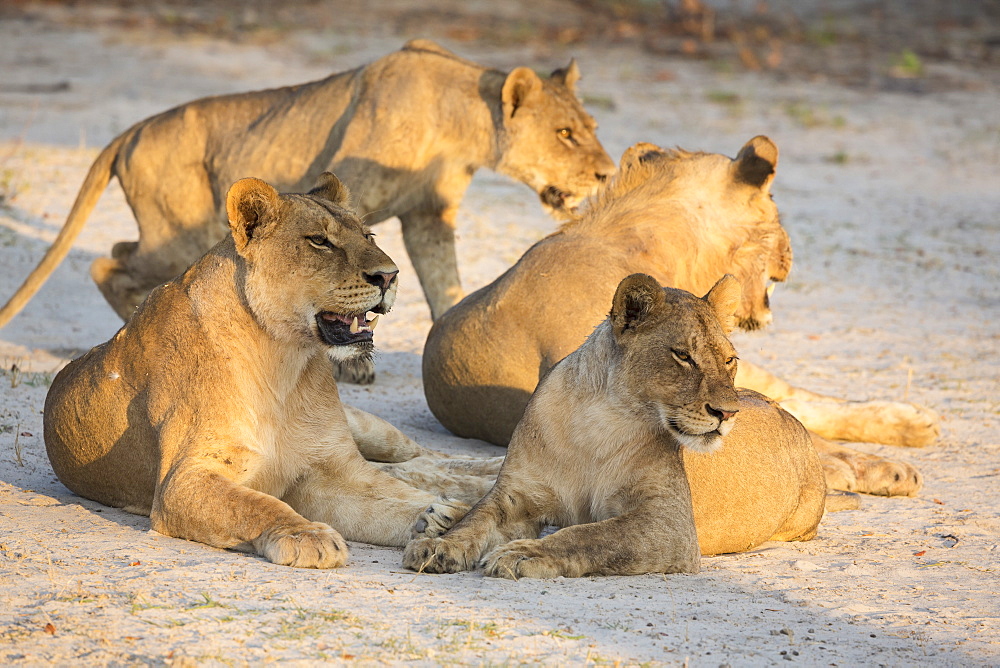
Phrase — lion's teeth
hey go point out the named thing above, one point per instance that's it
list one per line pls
(770, 289)
(373, 322)
(354, 325)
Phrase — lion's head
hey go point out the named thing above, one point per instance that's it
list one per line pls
(313, 271)
(675, 361)
(713, 215)
(549, 141)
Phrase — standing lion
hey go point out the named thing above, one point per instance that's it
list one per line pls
(406, 132)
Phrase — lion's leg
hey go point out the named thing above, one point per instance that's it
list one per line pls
(121, 290)
(366, 504)
(630, 544)
(177, 217)
(889, 422)
(852, 471)
(464, 480)
(503, 515)
(378, 440)
(203, 504)
(430, 242)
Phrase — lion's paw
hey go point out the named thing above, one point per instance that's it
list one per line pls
(522, 559)
(438, 518)
(312, 545)
(437, 555)
(870, 474)
(898, 423)
(357, 372)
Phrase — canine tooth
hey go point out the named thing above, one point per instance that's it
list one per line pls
(372, 323)
(770, 289)
(354, 325)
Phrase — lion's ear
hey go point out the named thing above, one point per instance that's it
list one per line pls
(640, 153)
(636, 298)
(756, 161)
(521, 83)
(567, 76)
(332, 189)
(249, 203)
(724, 298)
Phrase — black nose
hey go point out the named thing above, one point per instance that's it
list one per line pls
(720, 414)
(381, 279)
(602, 177)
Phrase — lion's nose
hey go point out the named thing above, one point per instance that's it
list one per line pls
(602, 177)
(720, 414)
(381, 279)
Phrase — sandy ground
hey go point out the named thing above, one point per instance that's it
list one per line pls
(892, 202)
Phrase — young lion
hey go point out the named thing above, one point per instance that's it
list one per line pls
(603, 446)
(214, 409)
(686, 219)
(407, 132)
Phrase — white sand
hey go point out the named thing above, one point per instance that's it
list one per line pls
(892, 201)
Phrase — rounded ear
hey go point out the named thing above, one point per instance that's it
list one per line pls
(519, 86)
(248, 204)
(640, 153)
(332, 189)
(567, 76)
(636, 299)
(756, 161)
(724, 298)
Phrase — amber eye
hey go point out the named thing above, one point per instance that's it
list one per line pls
(565, 133)
(681, 356)
(731, 361)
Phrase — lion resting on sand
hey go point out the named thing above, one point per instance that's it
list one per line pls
(406, 132)
(686, 219)
(603, 446)
(214, 409)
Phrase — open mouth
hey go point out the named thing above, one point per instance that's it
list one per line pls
(336, 329)
(554, 198)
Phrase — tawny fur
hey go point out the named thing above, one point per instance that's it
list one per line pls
(214, 409)
(686, 219)
(603, 446)
(405, 132)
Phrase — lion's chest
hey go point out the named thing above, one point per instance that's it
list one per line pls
(289, 435)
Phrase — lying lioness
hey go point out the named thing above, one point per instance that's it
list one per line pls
(214, 409)
(685, 218)
(407, 132)
(603, 446)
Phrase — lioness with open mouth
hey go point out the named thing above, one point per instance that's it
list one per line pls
(214, 409)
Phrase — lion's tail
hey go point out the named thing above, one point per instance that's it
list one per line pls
(91, 191)
(837, 501)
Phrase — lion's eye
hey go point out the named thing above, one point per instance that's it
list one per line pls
(731, 360)
(320, 242)
(681, 356)
(566, 134)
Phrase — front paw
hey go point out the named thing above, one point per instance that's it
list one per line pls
(312, 545)
(358, 372)
(437, 555)
(438, 518)
(522, 559)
